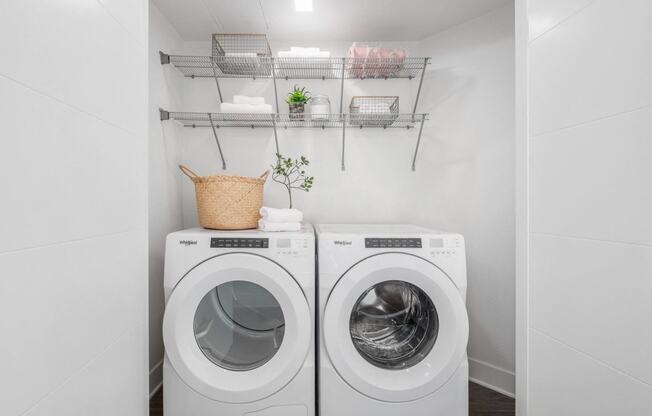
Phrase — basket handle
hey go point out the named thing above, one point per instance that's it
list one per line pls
(186, 171)
(264, 175)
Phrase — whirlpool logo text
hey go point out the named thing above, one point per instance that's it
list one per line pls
(342, 243)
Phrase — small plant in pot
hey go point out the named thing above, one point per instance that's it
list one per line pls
(291, 173)
(297, 100)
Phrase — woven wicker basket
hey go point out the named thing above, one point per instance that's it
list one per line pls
(227, 202)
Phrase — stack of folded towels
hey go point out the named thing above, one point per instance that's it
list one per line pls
(275, 219)
(296, 52)
(245, 104)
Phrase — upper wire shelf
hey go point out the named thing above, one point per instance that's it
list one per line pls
(295, 68)
(217, 120)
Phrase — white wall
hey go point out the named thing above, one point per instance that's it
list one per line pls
(469, 144)
(73, 229)
(590, 99)
(165, 90)
(465, 171)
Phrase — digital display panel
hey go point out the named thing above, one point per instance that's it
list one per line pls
(392, 242)
(239, 242)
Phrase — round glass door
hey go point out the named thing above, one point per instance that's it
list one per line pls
(239, 325)
(394, 325)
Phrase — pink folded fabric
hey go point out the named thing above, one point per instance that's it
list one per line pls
(374, 62)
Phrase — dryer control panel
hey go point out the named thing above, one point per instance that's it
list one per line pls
(239, 242)
(392, 243)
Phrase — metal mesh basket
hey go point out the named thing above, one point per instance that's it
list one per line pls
(373, 111)
(242, 54)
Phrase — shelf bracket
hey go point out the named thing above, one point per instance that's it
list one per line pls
(275, 133)
(164, 115)
(343, 167)
(165, 58)
(217, 82)
(217, 140)
(342, 85)
(416, 148)
(275, 89)
(416, 100)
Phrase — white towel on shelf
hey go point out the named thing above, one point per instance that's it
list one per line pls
(298, 49)
(292, 54)
(278, 226)
(244, 99)
(242, 54)
(374, 108)
(246, 108)
(281, 214)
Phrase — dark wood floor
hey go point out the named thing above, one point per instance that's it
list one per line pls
(482, 402)
(485, 402)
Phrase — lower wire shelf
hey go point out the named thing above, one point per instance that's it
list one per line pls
(285, 121)
(253, 120)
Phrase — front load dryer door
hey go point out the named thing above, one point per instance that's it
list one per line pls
(395, 327)
(237, 328)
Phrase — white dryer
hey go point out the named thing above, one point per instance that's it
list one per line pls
(239, 323)
(394, 326)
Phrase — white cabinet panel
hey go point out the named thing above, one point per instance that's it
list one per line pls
(545, 14)
(593, 180)
(76, 52)
(595, 296)
(72, 176)
(64, 305)
(131, 14)
(596, 64)
(565, 382)
(105, 386)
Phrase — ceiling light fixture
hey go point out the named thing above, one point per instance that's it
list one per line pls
(303, 5)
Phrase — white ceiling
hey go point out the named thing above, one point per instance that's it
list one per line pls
(331, 20)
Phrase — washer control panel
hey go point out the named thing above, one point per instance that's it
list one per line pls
(292, 247)
(443, 248)
(392, 243)
(239, 242)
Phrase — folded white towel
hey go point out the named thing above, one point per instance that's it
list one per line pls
(242, 54)
(244, 99)
(278, 226)
(292, 54)
(374, 108)
(281, 214)
(304, 50)
(246, 108)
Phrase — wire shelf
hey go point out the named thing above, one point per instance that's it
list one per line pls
(295, 68)
(192, 119)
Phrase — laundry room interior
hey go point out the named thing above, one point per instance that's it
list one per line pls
(463, 174)
(325, 207)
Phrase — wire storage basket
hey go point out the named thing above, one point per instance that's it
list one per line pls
(246, 54)
(373, 110)
(227, 202)
(374, 61)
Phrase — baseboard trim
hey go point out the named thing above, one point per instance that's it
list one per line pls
(492, 377)
(155, 378)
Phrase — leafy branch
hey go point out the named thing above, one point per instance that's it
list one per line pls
(291, 174)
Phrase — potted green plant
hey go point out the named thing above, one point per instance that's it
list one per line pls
(291, 173)
(297, 100)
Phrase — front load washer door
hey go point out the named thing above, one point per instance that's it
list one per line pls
(237, 328)
(395, 327)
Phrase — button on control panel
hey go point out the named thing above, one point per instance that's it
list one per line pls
(392, 243)
(239, 242)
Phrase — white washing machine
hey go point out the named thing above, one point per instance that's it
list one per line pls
(394, 326)
(239, 323)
